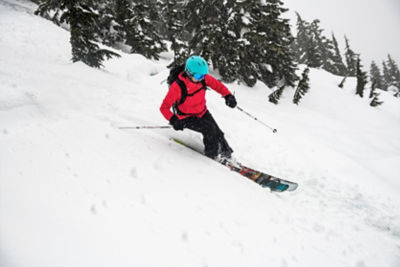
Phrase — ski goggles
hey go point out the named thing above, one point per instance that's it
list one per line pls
(198, 77)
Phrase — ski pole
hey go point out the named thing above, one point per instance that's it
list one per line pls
(144, 127)
(251, 116)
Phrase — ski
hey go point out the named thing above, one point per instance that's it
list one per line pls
(265, 180)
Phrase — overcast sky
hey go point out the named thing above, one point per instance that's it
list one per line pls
(372, 26)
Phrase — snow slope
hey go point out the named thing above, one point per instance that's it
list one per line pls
(77, 191)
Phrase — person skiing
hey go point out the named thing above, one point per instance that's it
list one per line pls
(191, 112)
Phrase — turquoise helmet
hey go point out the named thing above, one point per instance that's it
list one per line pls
(196, 65)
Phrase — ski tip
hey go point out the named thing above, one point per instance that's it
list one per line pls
(284, 187)
(292, 187)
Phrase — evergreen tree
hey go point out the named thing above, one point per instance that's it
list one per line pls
(276, 95)
(50, 9)
(376, 76)
(351, 60)
(122, 13)
(324, 47)
(267, 39)
(277, 30)
(393, 73)
(361, 79)
(340, 67)
(245, 40)
(172, 27)
(212, 23)
(301, 40)
(141, 33)
(306, 44)
(313, 50)
(302, 87)
(107, 31)
(83, 21)
(386, 76)
(375, 96)
(205, 24)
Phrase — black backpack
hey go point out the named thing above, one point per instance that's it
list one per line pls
(174, 77)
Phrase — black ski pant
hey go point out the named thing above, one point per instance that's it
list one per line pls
(213, 138)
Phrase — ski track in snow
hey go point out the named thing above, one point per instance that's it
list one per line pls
(77, 191)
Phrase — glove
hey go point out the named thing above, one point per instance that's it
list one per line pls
(230, 101)
(176, 123)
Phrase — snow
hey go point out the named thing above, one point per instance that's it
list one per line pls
(77, 191)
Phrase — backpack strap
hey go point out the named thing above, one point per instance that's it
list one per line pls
(203, 82)
(184, 95)
(184, 92)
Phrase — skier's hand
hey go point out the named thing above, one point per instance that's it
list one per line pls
(230, 101)
(176, 123)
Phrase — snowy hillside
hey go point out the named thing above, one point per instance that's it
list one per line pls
(77, 191)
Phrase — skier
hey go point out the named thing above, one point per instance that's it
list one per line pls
(192, 113)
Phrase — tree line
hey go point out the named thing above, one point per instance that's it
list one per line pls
(245, 41)
(312, 48)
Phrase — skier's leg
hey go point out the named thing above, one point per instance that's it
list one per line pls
(209, 131)
(224, 149)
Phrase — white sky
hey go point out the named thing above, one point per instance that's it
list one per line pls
(372, 26)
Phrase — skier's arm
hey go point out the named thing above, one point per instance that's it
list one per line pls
(173, 95)
(217, 85)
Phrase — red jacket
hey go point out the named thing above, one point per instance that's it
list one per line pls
(194, 105)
